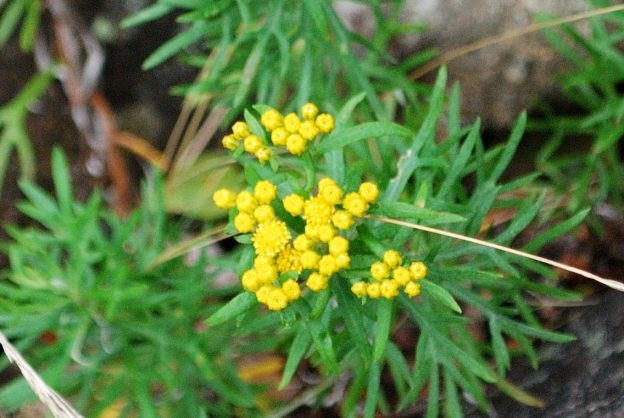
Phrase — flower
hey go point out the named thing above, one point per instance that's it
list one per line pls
(392, 258)
(308, 130)
(325, 122)
(310, 259)
(379, 270)
(317, 211)
(317, 282)
(270, 237)
(295, 144)
(293, 204)
(412, 289)
(359, 289)
(276, 299)
(264, 213)
(369, 191)
(389, 289)
(271, 120)
(373, 290)
(291, 289)
(250, 281)
(289, 259)
(291, 123)
(278, 136)
(401, 275)
(342, 219)
(252, 144)
(246, 202)
(224, 198)
(327, 265)
(230, 142)
(418, 269)
(244, 222)
(326, 232)
(338, 245)
(309, 111)
(265, 191)
(355, 204)
(263, 155)
(302, 243)
(240, 130)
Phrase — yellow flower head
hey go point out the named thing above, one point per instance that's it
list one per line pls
(369, 191)
(309, 111)
(266, 273)
(262, 294)
(312, 232)
(240, 130)
(270, 237)
(326, 232)
(263, 260)
(325, 122)
(373, 290)
(252, 144)
(250, 281)
(342, 260)
(332, 193)
(244, 223)
(379, 270)
(291, 123)
(342, 219)
(355, 204)
(310, 259)
(279, 136)
(412, 289)
(263, 155)
(277, 299)
(302, 243)
(289, 259)
(317, 211)
(230, 142)
(295, 144)
(265, 192)
(224, 198)
(359, 289)
(294, 204)
(418, 270)
(264, 213)
(317, 282)
(389, 289)
(338, 245)
(291, 289)
(327, 265)
(401, 275)
(308, 130)
(246, 202)
(271, 119)
(392, 258)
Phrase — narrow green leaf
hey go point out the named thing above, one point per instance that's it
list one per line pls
(547, 236)
(526, 213)
(433, 393)
(460, 161)
(10, 18)
(382, 328)
(501, 354)
(372, 389)
(239, 305)
(254, 125)
(440, 294)
(452, 407)
(360, 132)
(406, 211)
(30, 26)
(176, 44)
(297, 350)
(510, 148)
(146, 15)
(62, 181)
(352, 315)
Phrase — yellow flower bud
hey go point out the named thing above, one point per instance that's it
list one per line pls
(373, 290)
(250, 281)
(325, 122)
(271, 119)
(246, 202)
(224, 198)
(326, 233)
(317, 281)
(412, 289)
(310, 259)
(294, 204)
(252, 144)
(264, 213)
(295, 144)
(262, 295)
(342, 219)
(277, 299)
(338, 245)
(302, 243)
(401, 275)
(263, 155)
(278, 136)
(392, 258)
(240, 130)
(389, 289)
(418, 270)
(359, 289)
(379, 270)
(332, 194)
(291, 289)
(309, 111)
(342, 261)
(355, 204)
(369, 191)
(308, 130)
(266, 273)
(230, 142)
(244, 223)
(265, 191)
(327, 265)
(291, 123)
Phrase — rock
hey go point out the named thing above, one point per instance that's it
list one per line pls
(497, 82)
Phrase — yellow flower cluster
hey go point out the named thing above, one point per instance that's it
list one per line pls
(320, 249)
(290, 131)
(390, 275)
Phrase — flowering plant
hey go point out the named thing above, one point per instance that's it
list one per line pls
(333, 249)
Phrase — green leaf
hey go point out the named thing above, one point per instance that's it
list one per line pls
(62, 181)
(372, 389)
(440, 294)
(239, 305)
(360, 132)
(460, 161)
(452, 407)
(382, 329)
(547, 236)
(146, 15)
(176, 44)
(510, 148)
(406, 211)
(501, 354)
(10, 18)
(30, 26)
(297, 350)
(352, 315)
